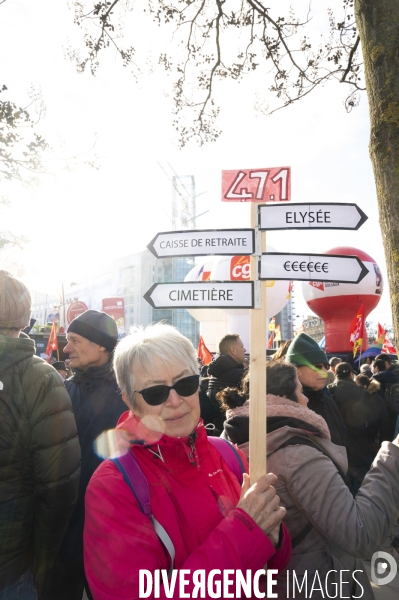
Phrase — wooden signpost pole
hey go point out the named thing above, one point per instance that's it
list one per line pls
(257, 390)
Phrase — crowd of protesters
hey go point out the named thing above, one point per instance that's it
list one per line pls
(120, 469)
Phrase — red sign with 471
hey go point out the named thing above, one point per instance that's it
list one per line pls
(257, 185)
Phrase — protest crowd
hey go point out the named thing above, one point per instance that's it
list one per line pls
(124, 474)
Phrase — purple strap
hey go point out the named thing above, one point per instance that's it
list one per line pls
(230, 455)
(129, 467)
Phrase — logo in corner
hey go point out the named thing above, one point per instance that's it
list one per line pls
(383, 568)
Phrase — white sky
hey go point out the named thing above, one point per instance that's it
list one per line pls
(81, 218)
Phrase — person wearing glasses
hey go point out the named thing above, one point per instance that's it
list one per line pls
(196, 498)
(312, 367)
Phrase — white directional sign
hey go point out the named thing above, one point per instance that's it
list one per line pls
(201, 294)
(198, 243)
(310, 216)
(315, 267)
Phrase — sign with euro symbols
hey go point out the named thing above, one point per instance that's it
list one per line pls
(312, 267)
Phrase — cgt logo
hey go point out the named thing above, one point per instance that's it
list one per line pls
(383, 568)
(240, 268)
(317, 284)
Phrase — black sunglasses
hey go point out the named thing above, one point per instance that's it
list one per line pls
(321, 365)
(158, 394)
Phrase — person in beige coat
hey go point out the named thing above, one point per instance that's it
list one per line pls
(331, 530)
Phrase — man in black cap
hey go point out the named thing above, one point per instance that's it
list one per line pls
(97, 405)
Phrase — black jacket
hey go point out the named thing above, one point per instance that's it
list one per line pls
(322, 403)
(223, 372)
(97, 405)
(365, 417)
(386, 379)
(39, 460)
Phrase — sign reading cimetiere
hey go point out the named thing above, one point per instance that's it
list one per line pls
(201, 294)
(205, 242)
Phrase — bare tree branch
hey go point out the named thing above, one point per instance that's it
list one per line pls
(205, 29)
(351, 55)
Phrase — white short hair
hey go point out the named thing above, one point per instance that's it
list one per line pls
(140, 348)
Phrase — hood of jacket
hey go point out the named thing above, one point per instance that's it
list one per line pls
(14, 350)
(285, 419)
(374, 387)
(223, 363)
(281, 413)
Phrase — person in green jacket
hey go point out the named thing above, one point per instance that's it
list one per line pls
(39, 452)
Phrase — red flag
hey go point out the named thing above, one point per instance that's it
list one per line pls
(356, 331)
(52, 342)
(382, 338)
(270, 340)
(203, 352)
(388, 347)
(380, 334)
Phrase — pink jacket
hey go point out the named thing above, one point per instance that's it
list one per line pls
(194, 501)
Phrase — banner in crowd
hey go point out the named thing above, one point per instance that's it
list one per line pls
(115, 308)
(356, 331)
(203, 353)
(270, 341)
(52, 343)
(387, 346)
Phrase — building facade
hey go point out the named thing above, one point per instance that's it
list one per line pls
(314, 327)
(128, 277)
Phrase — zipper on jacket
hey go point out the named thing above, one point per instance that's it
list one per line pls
(192, 450)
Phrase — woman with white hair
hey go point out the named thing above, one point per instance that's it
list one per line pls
(174, 499)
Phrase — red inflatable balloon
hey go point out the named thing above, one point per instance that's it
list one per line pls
(336, 303)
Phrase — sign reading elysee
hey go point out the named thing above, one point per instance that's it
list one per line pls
(310, 216)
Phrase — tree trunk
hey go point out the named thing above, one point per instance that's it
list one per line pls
(378, 24)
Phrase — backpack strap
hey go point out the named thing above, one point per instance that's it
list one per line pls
(129, 467)
(231, 456)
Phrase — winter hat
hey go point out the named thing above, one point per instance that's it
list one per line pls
(304, 351)
(15, 302)
(343, 370)
(59, 365)
(97, 327)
